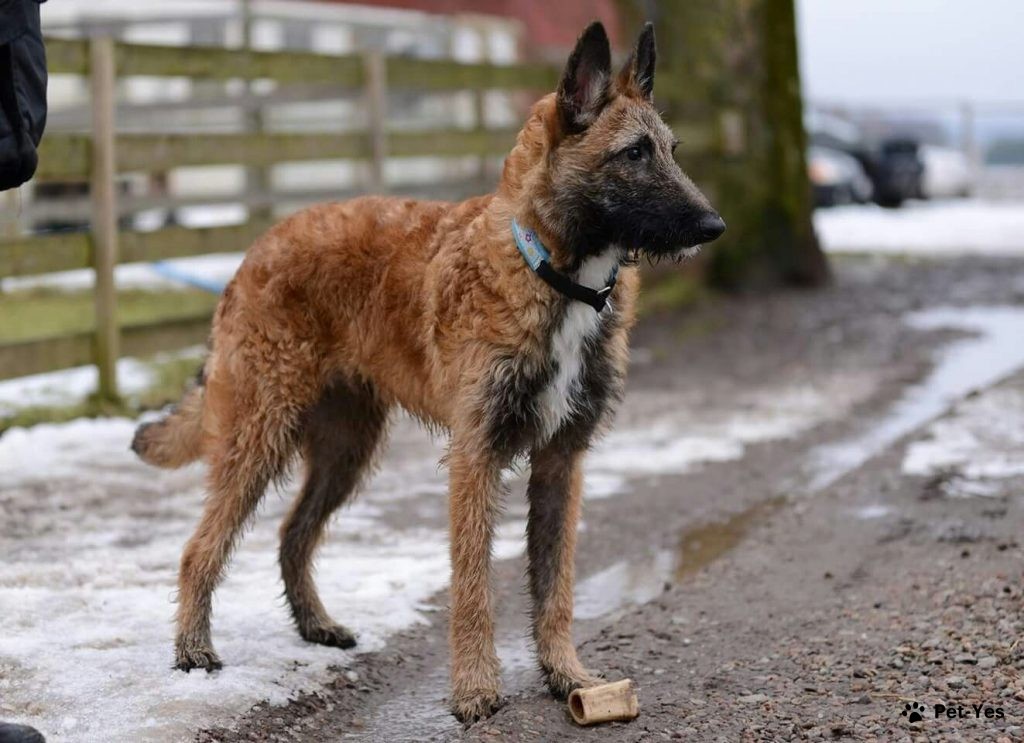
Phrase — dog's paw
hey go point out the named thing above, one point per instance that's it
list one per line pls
(476, 705)
(189, 657)
(563, 683)
(334, 635)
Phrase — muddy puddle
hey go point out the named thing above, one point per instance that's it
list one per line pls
(702, 545)
(632, 582)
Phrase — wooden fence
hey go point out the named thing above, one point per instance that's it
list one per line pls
(100, 156)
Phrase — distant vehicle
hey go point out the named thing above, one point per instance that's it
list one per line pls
(837, 177)
(893, 165)
(896, 170)
(947, 173)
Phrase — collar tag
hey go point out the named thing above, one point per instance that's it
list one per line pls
(530, 246)
(539, 260)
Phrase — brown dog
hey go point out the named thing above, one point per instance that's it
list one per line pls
(345, 310)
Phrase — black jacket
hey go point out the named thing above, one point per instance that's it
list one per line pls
(22, 90)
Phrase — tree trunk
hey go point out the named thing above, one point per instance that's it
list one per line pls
(733, 65)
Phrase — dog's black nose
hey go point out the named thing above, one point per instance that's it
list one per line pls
(711, 226)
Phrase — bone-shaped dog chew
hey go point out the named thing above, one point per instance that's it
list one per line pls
(605, 703)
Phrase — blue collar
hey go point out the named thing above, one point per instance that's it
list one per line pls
(539, 260)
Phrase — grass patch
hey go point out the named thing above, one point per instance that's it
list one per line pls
(33, 415)
(45, 313)
(170, 378)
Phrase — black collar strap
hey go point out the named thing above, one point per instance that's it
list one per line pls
(596, 298)
(538, 258)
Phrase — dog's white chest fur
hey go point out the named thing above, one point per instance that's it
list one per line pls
(558, 400)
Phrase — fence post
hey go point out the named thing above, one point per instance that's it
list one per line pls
(103, 194)
(480, 123)
(257, 177)
(375, 67)
(480, 99)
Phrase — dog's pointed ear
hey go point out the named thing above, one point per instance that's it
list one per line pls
(583, 90)
(637, 75)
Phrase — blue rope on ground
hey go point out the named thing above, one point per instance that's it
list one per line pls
(171, 272)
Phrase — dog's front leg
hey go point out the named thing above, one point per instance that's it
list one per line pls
(555, 491)
(475, 483)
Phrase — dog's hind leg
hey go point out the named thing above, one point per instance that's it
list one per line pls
(554, 492)
(259, 440)
(340, 439)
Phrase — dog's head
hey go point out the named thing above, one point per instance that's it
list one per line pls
(611, 173)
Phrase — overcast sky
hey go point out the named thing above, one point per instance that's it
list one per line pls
(907, 50)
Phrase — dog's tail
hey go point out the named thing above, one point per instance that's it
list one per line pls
(176, 439)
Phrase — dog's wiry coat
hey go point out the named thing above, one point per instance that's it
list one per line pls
(345, 310)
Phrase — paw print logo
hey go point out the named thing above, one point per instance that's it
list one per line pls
(913, 711)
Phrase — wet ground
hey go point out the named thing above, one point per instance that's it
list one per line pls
(817, 523)
(806, 517)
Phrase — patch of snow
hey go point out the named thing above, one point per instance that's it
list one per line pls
(599, 483)
(873, 511)
(954, 227)
(678, 441)
(978, 448)
(662, 450)
(91, 539)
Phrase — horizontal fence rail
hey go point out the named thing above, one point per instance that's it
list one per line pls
(343, 71)
(100, 156)
(78, 349)
(67, 155)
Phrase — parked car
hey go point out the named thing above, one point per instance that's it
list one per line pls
(947, 173)
(837, 177)
(893, 165)
(896, 169)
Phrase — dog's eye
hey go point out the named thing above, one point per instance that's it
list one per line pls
(634, 153)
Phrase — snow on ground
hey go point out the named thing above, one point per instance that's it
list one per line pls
(91, 540)
(214, 267)
(951, 227)
(978, 449)
(687, 436)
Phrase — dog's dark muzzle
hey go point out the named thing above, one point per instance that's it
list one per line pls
(687, 233)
